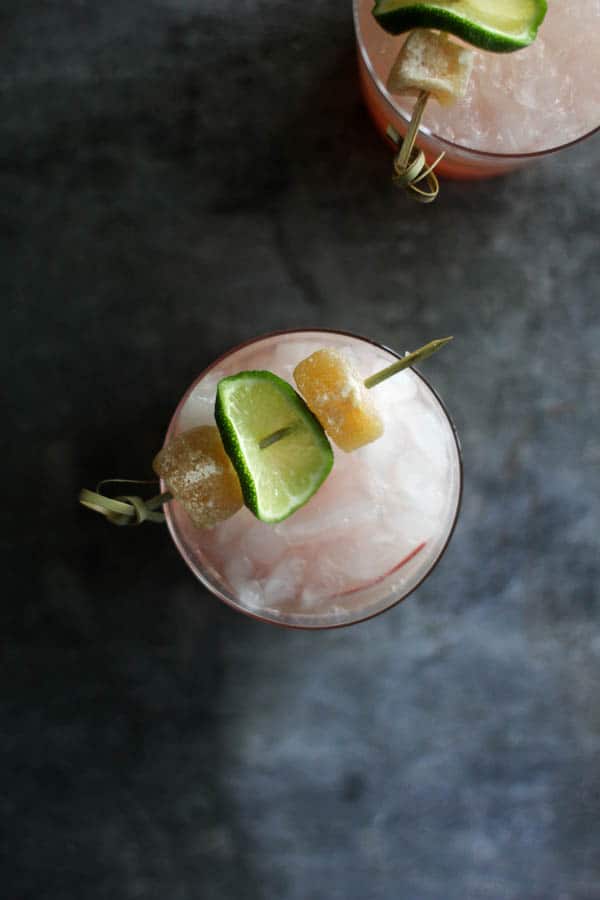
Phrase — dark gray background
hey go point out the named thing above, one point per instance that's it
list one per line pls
(178, 176)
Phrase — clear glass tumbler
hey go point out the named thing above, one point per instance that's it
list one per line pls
(568, 97)
(321, 567)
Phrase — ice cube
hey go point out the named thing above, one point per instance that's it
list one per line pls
(419, 495)
(239, 569)
(199, 408)
(263, 544)
(287, 355)
(251, 596)
(284, 583)
(230, 533)
(346, 500)
(350, 565)
(428, 432)
(400, 388)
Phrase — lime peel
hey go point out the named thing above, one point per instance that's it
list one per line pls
(280, 476)
(500, 28)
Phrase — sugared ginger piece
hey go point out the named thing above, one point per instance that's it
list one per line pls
(199, 474)
(430, 61)
(335, 393)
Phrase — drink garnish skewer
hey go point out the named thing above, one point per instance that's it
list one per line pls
(431, 65)
(230, 463)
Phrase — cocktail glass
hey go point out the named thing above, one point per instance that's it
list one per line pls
(371, 534)
(520, 106)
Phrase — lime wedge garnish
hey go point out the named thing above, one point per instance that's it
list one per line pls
(492, 25)
(280, 475)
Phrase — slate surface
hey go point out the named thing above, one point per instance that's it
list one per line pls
(178, 176)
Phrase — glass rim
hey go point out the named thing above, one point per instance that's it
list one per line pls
(296, 625)
(483, 154)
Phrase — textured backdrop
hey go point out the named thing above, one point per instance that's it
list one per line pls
(178, 176)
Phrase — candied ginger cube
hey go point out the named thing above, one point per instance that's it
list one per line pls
(199, 474)
(430, 61)
(335, 393)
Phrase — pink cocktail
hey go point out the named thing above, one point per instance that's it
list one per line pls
(519, 106)
(373, 531)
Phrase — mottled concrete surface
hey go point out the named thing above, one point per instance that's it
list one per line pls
(177, 176)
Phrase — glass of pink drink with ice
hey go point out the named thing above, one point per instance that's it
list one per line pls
(372, 532)
(519, 106)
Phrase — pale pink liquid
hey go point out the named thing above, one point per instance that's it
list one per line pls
(370, 534)
(519, 105)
